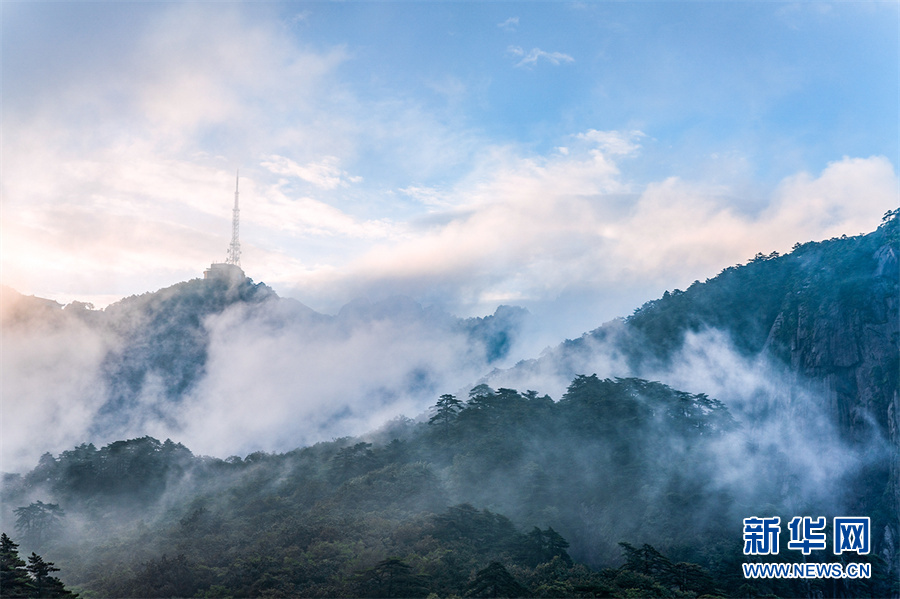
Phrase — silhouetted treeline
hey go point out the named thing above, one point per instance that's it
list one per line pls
(623, 487)
(394, 514)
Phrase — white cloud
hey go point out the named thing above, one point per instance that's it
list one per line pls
(317, 381)
(845, 198)
(275, 211)
(429, 196)
(530, 228)
(121, 181)
(274, 379)
(301, 17)
(510, 24)
(121, 176)
(51, 388)
(616, 143)
(324, 174)
(535, 54)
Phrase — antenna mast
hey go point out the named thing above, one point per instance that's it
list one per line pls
(234, 250)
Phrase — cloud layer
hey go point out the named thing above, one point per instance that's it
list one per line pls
(268, 375)
(463, 172)
(118, 175)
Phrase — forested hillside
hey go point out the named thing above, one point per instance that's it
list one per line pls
(624, 485)
(548, 490)
(164, 362)
(804, 348)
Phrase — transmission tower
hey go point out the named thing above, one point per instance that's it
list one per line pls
(234, 250)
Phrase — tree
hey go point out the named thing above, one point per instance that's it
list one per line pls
(694, 578)
(37, 521)
(531, 549)
(45, 585)
(483, 529)
(649, 562)
(541, 546)
(481, 397)
(392, 578)
(166, 577)
(354, 461)
(14, 579)
(495, 581)
(445, 412)
(556, 545)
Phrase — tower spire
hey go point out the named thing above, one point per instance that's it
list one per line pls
(234, 250)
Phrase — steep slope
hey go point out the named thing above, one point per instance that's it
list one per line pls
(821, 323)
(611, 464)
(803, 349)
(163, 361)
(828, 311)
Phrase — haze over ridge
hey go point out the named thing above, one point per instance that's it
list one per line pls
(197, 361)
(529, 154)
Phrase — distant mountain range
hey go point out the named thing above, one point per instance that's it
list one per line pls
(826, 314)
(137, 364)
(770, 389)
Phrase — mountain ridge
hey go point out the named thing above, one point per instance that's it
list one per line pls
(770, 389)
(850, 280)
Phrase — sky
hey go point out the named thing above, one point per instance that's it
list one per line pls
(576, 159)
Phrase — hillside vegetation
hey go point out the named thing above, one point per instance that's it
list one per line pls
(620, 487)
(500, 489)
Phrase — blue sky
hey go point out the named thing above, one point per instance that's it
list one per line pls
(574, 158)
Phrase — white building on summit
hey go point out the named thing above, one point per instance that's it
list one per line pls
(231, 268)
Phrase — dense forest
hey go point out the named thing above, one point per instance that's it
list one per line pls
(619, 487)
(615, 473)
(164, 361)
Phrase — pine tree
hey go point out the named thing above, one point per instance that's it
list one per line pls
(445, 412)
(495, 581)
(38, 521)
(45, 585)
(392, 578)
(541, 546)
(14, 579)
(556, 546)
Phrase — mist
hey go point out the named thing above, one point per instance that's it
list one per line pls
(665, 428)
(51, 381)
(279, 376)
(787, 444)
(270, 387)
(269, 375)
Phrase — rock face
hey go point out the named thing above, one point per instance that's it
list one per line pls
(829, 313)
(838, 329)
(845, 341)
(850, 344)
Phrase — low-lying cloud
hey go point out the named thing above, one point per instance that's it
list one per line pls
(787, 446)
(532, 229)
(276, 375)
(270, 386)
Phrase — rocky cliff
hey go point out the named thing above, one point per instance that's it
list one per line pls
(824, 318)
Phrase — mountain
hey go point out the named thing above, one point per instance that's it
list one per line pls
(543, 489)
(159, 361)
(820, 324)
(768, 390)
(408, 490)
(827, 312)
